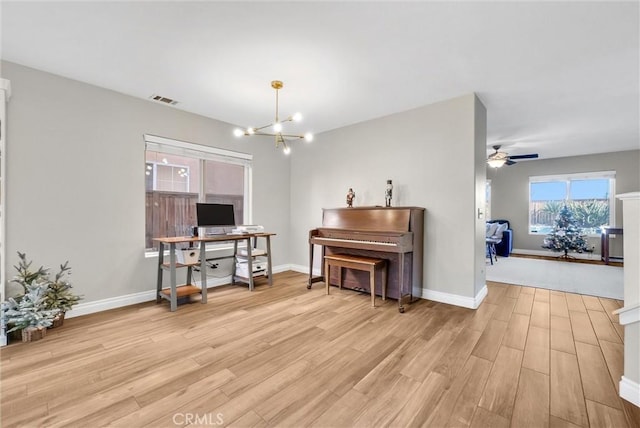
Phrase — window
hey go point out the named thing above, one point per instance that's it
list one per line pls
(589, 196)
(179, 174)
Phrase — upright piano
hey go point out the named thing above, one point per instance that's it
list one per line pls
(395, 234)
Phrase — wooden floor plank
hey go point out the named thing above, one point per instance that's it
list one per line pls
(536, 351)
(592, 303)
(602, 326)
(605, 416)
(288, 356)
(499, 393)
(582, 328)
(596, 380)
(531, 408)
(566, 397)
(486, 419)
(489, 343)
(561, 335)
(558, 305)
(540, 314)
(524, 303)
(516, 334)
(575, 302)
(459, 401)
(505, 308)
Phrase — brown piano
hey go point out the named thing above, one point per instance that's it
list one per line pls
(395, 234)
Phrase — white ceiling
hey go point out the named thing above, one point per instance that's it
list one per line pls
(559, 79)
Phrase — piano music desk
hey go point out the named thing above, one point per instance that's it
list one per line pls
(367, 264)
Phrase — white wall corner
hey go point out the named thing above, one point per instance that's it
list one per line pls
(630, 391)
(454, 299)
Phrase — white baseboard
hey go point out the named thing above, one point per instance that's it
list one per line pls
(630, 391)
(87, 308)
(455, 299)
(628, 314)
(548, 253)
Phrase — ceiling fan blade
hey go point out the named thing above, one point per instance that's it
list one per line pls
(509, 162)
(529, 156)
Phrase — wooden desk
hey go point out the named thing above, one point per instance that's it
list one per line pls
(174, 291)
(604, 241)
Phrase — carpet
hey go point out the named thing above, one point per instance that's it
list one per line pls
(581, 278)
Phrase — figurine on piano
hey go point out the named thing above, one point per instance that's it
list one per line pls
(350, 196)
(387, 194)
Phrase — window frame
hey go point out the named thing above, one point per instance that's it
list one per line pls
(205, 153)
(610, 175)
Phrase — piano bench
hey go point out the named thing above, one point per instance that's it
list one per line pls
(367, 264)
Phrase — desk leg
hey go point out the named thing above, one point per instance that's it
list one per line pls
(250, 264)
(160, 261)
(269, 261)
(203, 272)
(172, 270)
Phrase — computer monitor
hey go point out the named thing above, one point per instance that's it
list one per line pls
(215, 215)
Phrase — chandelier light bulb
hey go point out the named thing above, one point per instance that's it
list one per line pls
(277, 127)
(251, 131)
(308, 137)
(238, 132)
(286, 150)
(297, 117)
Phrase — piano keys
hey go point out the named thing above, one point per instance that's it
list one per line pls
(395, 234)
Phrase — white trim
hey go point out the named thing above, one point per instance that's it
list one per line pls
(87, 308)
(455, 299)
(156, 143)
(305, 269)
(438, 296)
(111, 303)
(628, 314)
(574, 176)
(630, 195)
(5, 85)
(548, 253)
(630, 391)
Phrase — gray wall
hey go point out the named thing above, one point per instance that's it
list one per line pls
(435, 157)
(75, 176)
(510, 190)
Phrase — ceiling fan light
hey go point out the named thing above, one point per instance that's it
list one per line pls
(496, 163)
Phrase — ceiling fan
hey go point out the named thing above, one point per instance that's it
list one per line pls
(497, 159)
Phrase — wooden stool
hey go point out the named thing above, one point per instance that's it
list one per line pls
(367, 264)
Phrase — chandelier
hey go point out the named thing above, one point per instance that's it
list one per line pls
(274, 129)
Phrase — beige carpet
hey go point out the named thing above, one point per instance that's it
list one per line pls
(582, 278)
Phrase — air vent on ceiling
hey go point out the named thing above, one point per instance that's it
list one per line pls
(162, 99)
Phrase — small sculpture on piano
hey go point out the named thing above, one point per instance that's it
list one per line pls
(388, 193)
(350, 196)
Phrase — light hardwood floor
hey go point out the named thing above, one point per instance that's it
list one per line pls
(288, 356)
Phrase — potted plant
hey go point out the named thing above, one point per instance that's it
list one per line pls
(59, 295)
(55, 293)
(25, 276)
(29, 313)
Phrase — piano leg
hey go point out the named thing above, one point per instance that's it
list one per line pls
(317, 278)
(401, 284)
